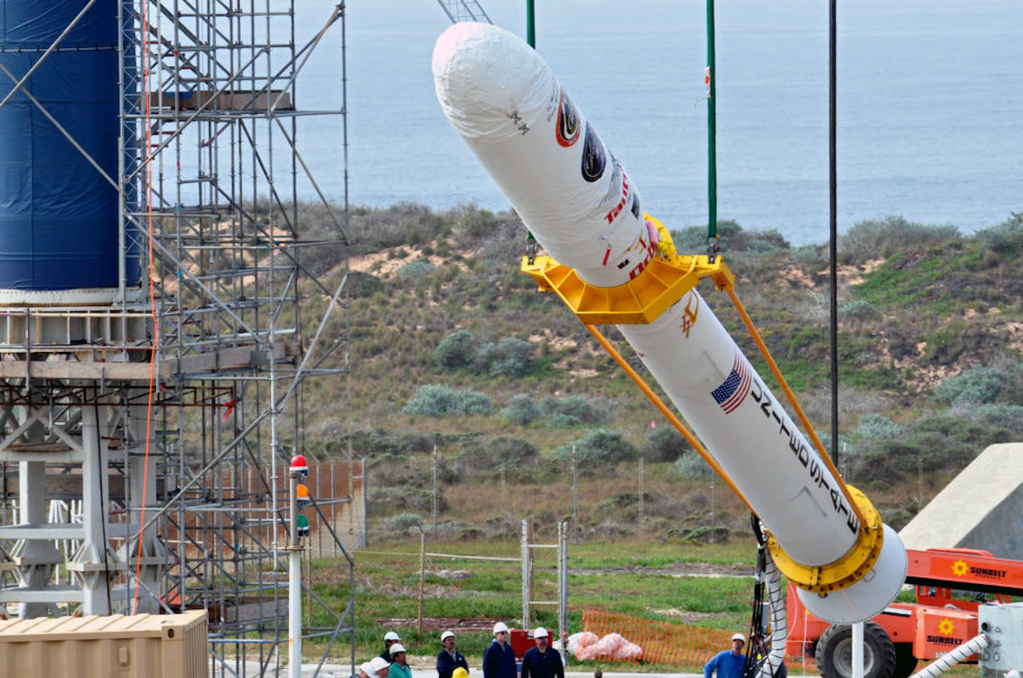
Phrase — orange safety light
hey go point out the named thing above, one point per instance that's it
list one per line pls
(302, 493)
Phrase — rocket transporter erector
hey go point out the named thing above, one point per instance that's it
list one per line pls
(580, 204)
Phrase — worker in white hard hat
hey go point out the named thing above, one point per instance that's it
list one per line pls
(367, 670)
(541, 661)
(390, 638)
(399, 667)
(499, 658)
(449, 658)
(381, 667)
(729, 663)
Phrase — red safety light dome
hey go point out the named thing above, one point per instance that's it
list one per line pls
(299, 465)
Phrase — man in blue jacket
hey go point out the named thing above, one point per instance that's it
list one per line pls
(449, 658)
(499, 658)
(728, 664)
(541, 661)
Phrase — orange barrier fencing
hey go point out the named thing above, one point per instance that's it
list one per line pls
(662, 642)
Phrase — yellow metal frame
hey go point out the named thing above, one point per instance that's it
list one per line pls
(845, 571)
(664, 280)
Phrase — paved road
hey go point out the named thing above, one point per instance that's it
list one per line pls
(342, 671)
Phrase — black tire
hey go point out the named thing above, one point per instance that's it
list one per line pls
(905, 662)
(834, 652)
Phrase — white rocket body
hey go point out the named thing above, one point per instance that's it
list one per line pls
(582, 207)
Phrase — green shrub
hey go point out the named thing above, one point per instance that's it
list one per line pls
(976, 386)
(874, 238)
(693, 240)
(858, 309)
(521, 410)
(690, 466)
(571, 411)
(486, 456)
(945, 441)
(874, 427)
(511, 356)
(472, 402)
(600, 447)
(999, 415)
(415, 270)
(560, 420)
(404, 522)
(665, 444)
(457, 349)
(437, 400)
(1006, 238)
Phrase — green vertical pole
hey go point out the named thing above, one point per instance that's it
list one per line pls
(531, 39)
(530, 24)
(712, 169)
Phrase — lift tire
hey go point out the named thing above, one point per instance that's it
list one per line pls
(905, 662)
(834, 652)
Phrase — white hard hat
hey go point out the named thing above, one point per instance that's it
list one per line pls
(396, 648)
(369, 668)
(391, 635)
(500, 627)
(738, 636)
(540, 632)
(379, 663)
(447, 634)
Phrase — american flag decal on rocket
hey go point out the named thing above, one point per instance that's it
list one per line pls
(734, 389)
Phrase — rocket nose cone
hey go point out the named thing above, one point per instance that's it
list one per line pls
(481, 72)
(451, 41)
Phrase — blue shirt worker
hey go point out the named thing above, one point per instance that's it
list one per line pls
(541, 661)
(728, 664)
(499, 658)
(449, 658)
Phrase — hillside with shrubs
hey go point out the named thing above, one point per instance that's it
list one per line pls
(454, 350)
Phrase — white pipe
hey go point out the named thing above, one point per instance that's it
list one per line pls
(295, 613)
(779, 620)
(960, 653)
(857, 650)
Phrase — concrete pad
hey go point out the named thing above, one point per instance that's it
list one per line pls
(981, 508)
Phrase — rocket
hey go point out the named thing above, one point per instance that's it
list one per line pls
(579, 202)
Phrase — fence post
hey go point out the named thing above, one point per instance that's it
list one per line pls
(641, 492)
(525, 571)
(563, 588)
(575, 497)
(422, 576)
(504, 490)
(433, 510)
(713, 477)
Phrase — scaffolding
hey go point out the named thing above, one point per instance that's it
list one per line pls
(464, 10)
(145, 443)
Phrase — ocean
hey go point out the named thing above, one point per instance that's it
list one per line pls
(930, 107)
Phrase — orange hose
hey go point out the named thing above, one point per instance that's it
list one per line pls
(795, 404)
(152, 307)
(659, 404)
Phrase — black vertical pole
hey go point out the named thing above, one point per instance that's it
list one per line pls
(833, 189)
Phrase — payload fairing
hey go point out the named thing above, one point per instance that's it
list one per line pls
(584, 209)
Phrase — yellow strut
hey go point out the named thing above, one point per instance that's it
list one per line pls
(665, 280)
(659, 404)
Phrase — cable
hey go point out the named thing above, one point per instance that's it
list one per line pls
(152, 302)
(100, 472)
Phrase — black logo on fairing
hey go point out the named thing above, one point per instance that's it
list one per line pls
(593, 156)
(568, 121)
